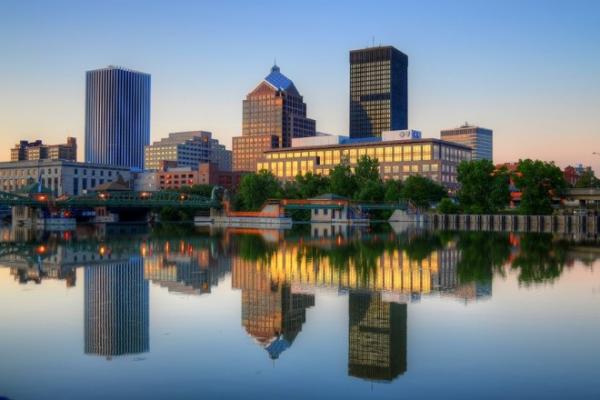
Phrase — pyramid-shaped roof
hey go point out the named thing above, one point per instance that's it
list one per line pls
(277, 346)
(279, 81)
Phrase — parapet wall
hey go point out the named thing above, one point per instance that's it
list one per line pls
(516, 223)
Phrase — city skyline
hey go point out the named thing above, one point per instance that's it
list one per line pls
(530, 78)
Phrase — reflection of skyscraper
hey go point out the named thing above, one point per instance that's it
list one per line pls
(377, 337)
(192, 272)
(116, 309)
(272, 313)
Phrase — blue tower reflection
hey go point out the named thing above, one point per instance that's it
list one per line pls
(116, 315)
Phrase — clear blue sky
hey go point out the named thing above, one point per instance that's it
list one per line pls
(530, 70)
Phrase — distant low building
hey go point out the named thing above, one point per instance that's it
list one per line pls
(515, 193)
(37, 150)
(400, 155)
(187, 149)
(173, 177)
(61, 176)
(145, 181)
(573, 174)
(481, 140)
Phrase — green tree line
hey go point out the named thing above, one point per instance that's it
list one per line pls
(483, 188)
(364, 183)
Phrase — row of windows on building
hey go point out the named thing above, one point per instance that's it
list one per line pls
(34, 172)
(371, 66)
(395, 153)
(370, 87)
(52, 183)
(291, 169)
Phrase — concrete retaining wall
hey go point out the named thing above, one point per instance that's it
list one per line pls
(515, 223)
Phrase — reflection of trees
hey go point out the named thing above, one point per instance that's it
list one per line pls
(170, 231)
(541, 259)
(482, 254)
(363, 255)
(420, 247)
(254, 248)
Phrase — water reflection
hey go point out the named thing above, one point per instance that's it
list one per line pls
(278, 275)
(116, 312)
(189, 266)
(377, 337)
(272, 312)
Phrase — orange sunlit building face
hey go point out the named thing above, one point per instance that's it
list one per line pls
(274, 113)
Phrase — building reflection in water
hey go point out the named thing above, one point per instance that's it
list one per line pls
(116, 309)
(275, 279)
(392, 271)
(272, 313)
(376, 337)
(186, 267)
(277, 276)
(35, 263)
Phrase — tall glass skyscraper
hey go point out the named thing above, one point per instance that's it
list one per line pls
(378, 91)
(117, 116)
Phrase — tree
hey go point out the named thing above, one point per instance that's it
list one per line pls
(484, 189)
(291, 190)
(588, 180)
(370, 191)
(539, 182)
(200, 190)
(256, 188)
(423, 191)
(367, 170)
(342, 181)
(482, 254)
(392, 190)
(447, 206)
(369, 186)
(540, 259)
(311, 185)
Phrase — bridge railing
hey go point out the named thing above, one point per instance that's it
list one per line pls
(125, 199)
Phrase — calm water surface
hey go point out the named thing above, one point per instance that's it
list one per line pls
(174, 312)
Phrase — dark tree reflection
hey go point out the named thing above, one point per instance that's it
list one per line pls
(482, 254)
(540, 259)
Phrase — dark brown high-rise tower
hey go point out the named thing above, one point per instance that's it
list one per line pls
(378, 91)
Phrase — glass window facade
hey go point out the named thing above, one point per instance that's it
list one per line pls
(378, 91)
(117, 117)
(477, 138)
(432, 158)
(274, 108)
(188, 149)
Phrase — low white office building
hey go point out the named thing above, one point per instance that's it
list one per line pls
(62, 177)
